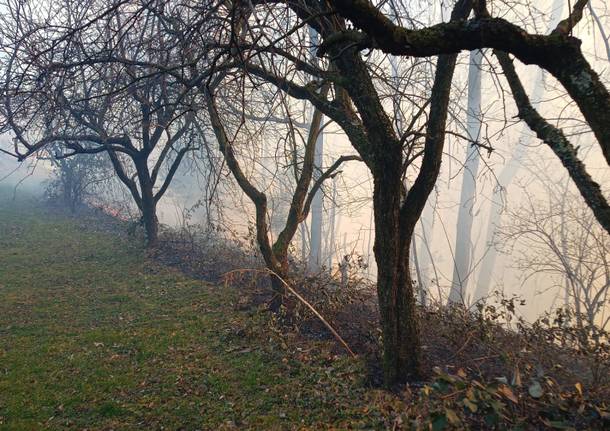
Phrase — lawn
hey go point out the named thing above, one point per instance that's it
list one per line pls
(94, 335)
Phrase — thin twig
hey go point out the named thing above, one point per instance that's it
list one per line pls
(304, 301)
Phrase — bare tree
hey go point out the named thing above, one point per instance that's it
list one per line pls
(91, 89)
(75, 178)
(559, 236)
(357, 108)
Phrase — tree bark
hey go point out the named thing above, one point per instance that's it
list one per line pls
(395, 219)
(277, 285)
(151, 222)
(399, 322)
(402, 346)
(148, 206)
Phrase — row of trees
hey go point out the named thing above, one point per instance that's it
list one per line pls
(149, 82)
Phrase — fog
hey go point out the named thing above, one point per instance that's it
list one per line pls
(515, 174)
(518, 170)
(29, 176)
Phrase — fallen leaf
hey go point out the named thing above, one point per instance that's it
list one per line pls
(508, 393)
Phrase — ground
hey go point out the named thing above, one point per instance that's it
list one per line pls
(94, 335)
(97, 335)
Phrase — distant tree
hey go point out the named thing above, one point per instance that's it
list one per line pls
(89, 89)
(315, 238)
(75, 178)
(462, 268)
(557, 235)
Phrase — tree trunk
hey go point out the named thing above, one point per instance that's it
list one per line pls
(279, 291)
(67, 175)
(401, 346)
(395, 220)
(463, 240)
(315, 242)
(148, 207)
(150, 221)
(278, 263)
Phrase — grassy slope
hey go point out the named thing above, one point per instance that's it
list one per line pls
(93, 335)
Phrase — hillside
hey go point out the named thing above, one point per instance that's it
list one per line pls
(95, 335)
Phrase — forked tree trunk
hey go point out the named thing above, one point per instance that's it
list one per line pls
(395, 289)
(395, 219)
(275, 255)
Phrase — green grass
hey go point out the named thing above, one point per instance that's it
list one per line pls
(93, 335)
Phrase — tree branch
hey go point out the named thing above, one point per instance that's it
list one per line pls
(558, 143)
(329, 173)
(558, 53)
